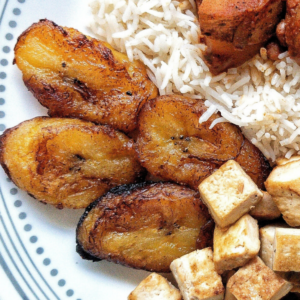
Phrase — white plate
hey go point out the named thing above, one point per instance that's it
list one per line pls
(37, 242)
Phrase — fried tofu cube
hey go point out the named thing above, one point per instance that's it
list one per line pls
(196, 276)
(266, 209)
(286, 250)
(256, 281)
(155, 287)
(229, 193)
(283, 185)
(235, 246)
(267, 235)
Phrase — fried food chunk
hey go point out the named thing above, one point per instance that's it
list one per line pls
(235, 30)
(67, 162)
(77, 76)
(173, 145)
(288, 30)
(144, 226)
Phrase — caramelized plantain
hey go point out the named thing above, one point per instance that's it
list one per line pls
(173, 145)
(77, 76)
(67, 162)
(144, 226)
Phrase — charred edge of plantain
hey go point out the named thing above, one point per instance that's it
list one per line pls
(267, 169)
(206, 235)
(106, 129)
(128, 188)
(118, 190)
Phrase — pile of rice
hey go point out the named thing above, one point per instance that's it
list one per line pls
(262, 96)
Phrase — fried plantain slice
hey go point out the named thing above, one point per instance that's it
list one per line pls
(144, 226)
(173, 145)
(67, 162)
(77, 76)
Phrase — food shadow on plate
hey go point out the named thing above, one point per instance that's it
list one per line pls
(119, 272)
(28, 106)
(63, 218)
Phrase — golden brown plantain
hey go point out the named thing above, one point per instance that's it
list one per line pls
(235, 30)
(173, 145)
(77, 76)
(144, 226)
(67, 162)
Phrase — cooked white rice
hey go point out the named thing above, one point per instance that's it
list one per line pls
(262, 96)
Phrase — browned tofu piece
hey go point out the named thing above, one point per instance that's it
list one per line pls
(287, 250)
(283, 185)
(155, 287)
(229, 193)
(267, 235)
(256, 281)
(235, 246)
(266, 209)
(196, 276)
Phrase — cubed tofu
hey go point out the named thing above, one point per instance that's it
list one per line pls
(196, 276)
(286, 250)
(229, 193)
(283, 185)
(256, 281)
(267, 235)
(155, 287)
(238, 244)
(266, 209)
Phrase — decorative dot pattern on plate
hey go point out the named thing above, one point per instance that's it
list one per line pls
(46, 261)
(22, 216)
(13, 191)
(40, 250)
(70, 293)
(7, 62)
(61, 282)
(33, 239)
(18, 203)
(6, 49)
(9, 36)
(12, 24)
(16, 11)
(27, 227)
(53, 272)
(4, 62)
